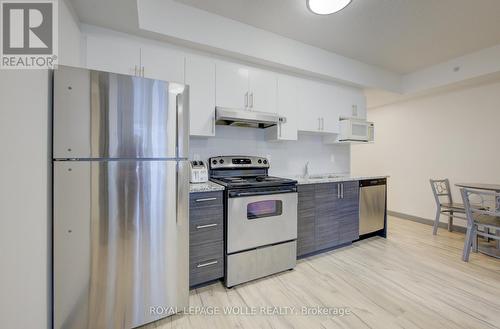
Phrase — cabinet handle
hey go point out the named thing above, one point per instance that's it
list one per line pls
(207, 264)
(205, 199)
(142, 72)
(135, 70)
(280, 127)
(338, 191)
(246, 99)
(251, 100)
(342, 194)
(199, 227)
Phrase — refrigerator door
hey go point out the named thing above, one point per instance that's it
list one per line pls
(121, 242)
(107, 115)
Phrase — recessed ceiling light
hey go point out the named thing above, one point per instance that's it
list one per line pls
(326, 7)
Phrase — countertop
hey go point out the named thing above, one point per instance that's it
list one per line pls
(205, 187)
(212, 187)
(344, 178)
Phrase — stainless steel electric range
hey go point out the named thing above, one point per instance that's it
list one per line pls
(260, 213)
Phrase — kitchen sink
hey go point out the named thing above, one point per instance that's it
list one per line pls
(325, 176)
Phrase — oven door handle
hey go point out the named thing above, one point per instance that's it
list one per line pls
(241, 194)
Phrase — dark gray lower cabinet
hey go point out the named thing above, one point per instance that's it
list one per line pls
(328, 216)
(206, 237)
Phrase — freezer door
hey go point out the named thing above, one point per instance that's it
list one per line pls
(107, 115)
(121, 242)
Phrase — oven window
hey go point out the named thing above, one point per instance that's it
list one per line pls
(267, 208)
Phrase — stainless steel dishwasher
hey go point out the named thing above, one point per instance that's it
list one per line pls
(372, 205)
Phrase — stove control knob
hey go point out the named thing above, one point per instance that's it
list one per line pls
(214, 162)
(260, 161)
(221, 161)
(265, 161)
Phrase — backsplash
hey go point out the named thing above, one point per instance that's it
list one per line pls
(288, 158)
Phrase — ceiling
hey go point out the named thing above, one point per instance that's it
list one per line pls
(399, 35)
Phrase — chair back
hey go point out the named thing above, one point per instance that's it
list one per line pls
(441, 188)
(485, 196)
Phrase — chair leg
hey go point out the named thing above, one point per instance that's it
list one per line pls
(475, 241)
(450, 221)
(497, 233)
(467, 244)
(436, 221)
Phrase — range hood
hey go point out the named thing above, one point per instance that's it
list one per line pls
(245, 118)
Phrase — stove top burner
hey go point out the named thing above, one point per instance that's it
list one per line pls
(240, 181)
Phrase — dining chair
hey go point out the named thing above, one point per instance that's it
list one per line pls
(445, 204)
(489, 218)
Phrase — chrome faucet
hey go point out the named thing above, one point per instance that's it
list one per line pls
(307, 171)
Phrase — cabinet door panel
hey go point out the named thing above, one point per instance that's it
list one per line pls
(162, 64)
(308, 111)
(348, 212)
(306, 222)
(262, 91)
(200, 76)
(327, 223)
(231, 85)
(287, 104)
(330, 110)
(113, 55)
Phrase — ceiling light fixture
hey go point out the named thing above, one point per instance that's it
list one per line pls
(327, 7)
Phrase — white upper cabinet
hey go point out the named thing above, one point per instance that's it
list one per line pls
(200, 76)
(288, 108)
(241, 87)
(316, 111)
(162, 64)
(351, 102)
(262, 91)
(119, 55)
(111, 54)
(231, 85)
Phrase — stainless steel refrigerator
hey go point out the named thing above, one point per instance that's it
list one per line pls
(121, 199)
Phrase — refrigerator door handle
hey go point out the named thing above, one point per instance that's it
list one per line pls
(183, 123)
(182, 195)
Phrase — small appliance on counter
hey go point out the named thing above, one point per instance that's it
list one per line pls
(199, 172)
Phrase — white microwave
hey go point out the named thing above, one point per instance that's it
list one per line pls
(356, 130)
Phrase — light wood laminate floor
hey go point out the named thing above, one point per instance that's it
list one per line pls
(410, 280)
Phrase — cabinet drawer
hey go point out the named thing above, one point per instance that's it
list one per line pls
(206, 225)
(206, 262)
(205, 199)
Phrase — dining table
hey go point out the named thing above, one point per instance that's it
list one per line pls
(486, 247)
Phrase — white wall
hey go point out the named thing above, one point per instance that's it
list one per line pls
(287, 158)
(24, 199)
(25, 231)
(69, 36)
(454, 135)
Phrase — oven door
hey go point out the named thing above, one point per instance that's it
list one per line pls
(260, 220)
